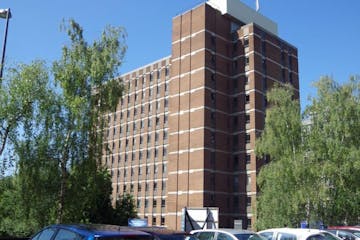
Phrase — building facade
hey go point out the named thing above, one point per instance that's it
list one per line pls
(184, 133)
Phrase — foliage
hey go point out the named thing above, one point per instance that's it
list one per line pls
(20, 93)
(125, 208)
(52, 125)
(314, 169)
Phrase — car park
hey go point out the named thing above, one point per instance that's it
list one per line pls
(89, 232)
(225, 234)
(296, 234)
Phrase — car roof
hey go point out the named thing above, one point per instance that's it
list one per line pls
(227, 230)
(357, 228)
(299, 232)
(99, 229)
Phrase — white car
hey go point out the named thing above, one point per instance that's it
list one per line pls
(297, 234)
(225, 234)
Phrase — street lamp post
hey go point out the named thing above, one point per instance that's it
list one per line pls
(6, 14)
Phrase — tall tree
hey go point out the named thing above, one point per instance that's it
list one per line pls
(85, 74)
(333, 145)
(314, 169)
(59, 148)
(281, 141)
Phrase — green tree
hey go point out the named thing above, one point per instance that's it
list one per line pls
(333, 145)
(314, 169)
(282, 142)
(85, 74)
(58, 137)
(125, 208)
(21, 90)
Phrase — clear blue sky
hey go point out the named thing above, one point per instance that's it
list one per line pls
(326, 32)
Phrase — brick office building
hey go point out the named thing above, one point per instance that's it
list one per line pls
(183, 135)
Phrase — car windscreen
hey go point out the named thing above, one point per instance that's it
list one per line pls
(248, 236)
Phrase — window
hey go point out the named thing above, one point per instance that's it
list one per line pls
(246, 42)
(235, 102)
(167, 71)
(163, 203)
(157, 121)
(247, 61)
(235, 121)
(154, 203)
(143, 79)
(212, 96)
(247, 118)
(138, 203)
(247, 98)
(66, 234)
(166, 87)
(151, 76)
(283, 74)
(154, 221)
(248, 158)
(146, 203)
(205, 235)
(164, 168)
(45, 234)
(236, 162)
(235, 83)
(155, 188)
(247, 138)
(162, 221)
(223, 236)
(248, 201)
(157, 105)
(163, 186)
(164, 152)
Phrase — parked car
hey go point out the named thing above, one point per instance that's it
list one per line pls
(353, 229)
(225, 234)
(162, 233)
(297, 234)
(345, 234)
(89, 232)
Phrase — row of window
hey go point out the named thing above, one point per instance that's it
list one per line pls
(135, 111)
(143, 122)
(136, 96)
(142, 153)
(152, 75)
(139, 187)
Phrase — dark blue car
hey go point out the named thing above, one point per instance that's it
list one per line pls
(89, 232)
